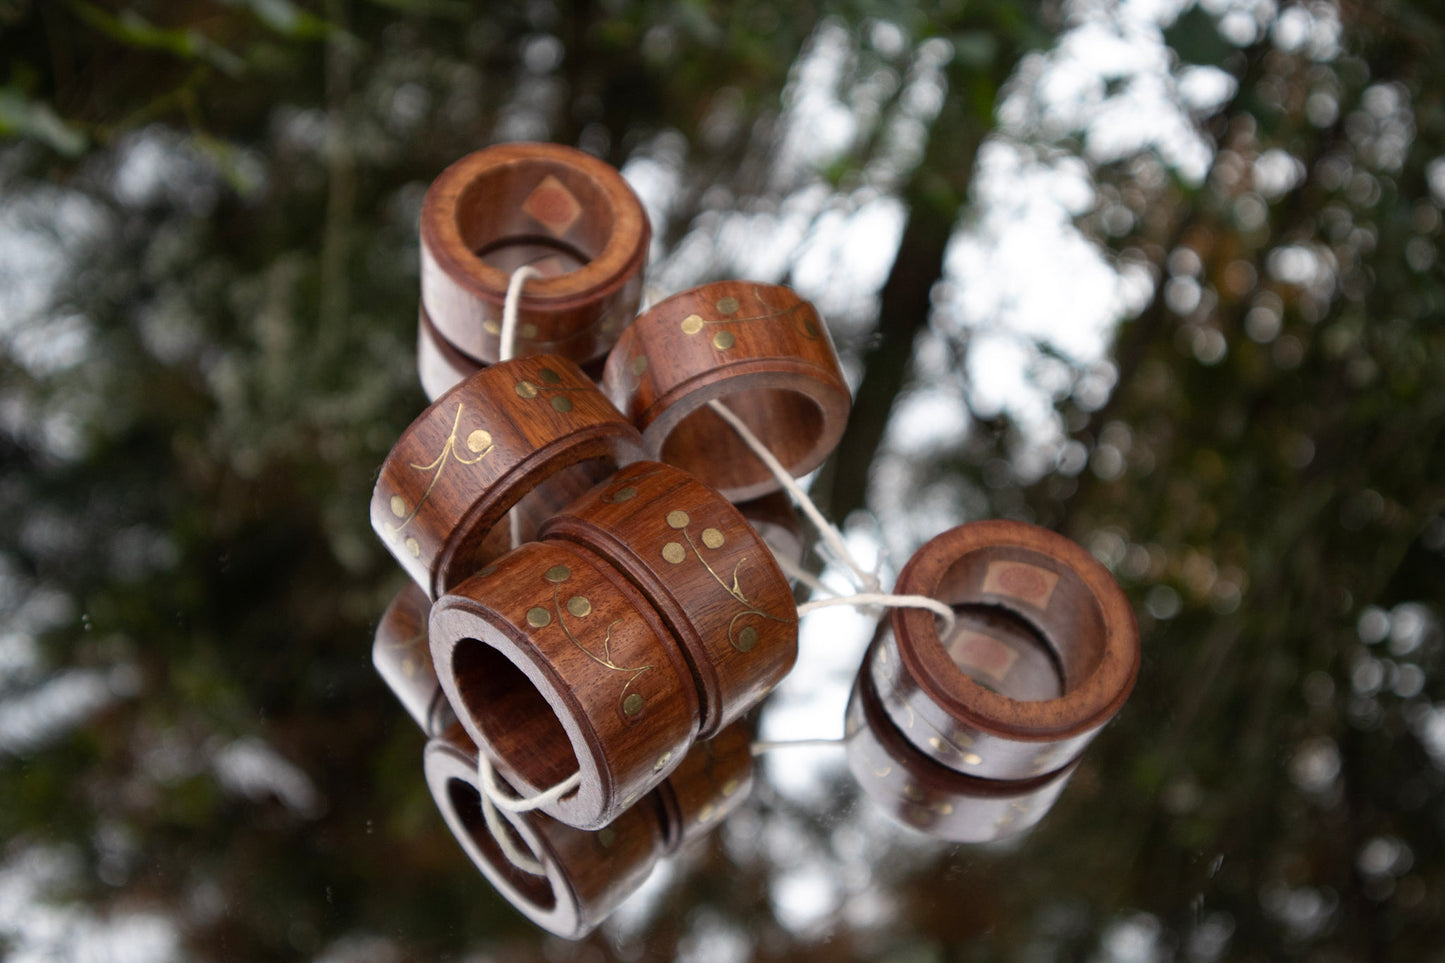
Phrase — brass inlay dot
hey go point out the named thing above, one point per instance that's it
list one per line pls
(580, 606)
(963, 739)
(549, 376)
(629, 799)
(606, 836)
(691, 324)
(972, 759)
(723, 340)
(479, 440)
(538, 617)
(913, 792)
(662, 762)
(705, 813)
(943, 808)
(561, 404)
(408, 667)
(639, 364)
(728, 305)
(558, 573)
(712, 538)
(632, 705)
(624, 494)
(730, 787)
(747, 638)
(527, 330)
(677, 518)
(398, 506)
(937, 743)
(526, 389)
(674, 552)
(413, 547)
(491, 327)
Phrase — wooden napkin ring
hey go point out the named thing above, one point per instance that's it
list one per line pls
(441, 367)
(586, 874)
(402, 656)
(714, 779)
(554, 663)
(758, 348)
(922, 793)
(706, 571)
(533, 431)
(568, 215)
(1043, 629)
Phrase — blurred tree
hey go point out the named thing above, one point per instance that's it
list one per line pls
(208, 217)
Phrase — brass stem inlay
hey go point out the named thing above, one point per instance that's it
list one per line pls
(478, 441)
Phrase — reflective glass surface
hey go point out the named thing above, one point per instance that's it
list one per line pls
(1160, 276)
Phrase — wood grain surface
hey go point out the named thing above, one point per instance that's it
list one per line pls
(714, 779)
(1045, 652)
(564, 212)
(587, 874)
(441, 367)
(706, 571)
(532, 432)
(556, 664)
(401, 654)
(919, 791)
(758, 348)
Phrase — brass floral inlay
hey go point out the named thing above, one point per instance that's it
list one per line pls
(629, 704)
(478, 442)
(550, 381)
(798, 315)
(742, 639)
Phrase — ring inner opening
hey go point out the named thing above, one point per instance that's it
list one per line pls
(466, 802)
(558, 491)
(1023, 617)
(517, 721)
(1005, 653)
(555, 493)
(536, 212)
(788, 422)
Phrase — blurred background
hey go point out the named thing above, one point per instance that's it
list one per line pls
(1161, 275)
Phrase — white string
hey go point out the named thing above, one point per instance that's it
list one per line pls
(524, 861)
(796, 572)
(831, 536)
(892, 601)
(761, 746)
(493, 796)
(508, 349)
(838, 548)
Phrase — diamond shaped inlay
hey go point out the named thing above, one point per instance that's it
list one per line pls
(551, 205)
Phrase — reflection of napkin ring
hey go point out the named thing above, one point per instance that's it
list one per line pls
(556, 664)
(758, 348)
(402, 657)
(532, 430)
(1045, 651)
(441, 367)
(586, 874)
(566, 214)
(918, 791)
(706, 571)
